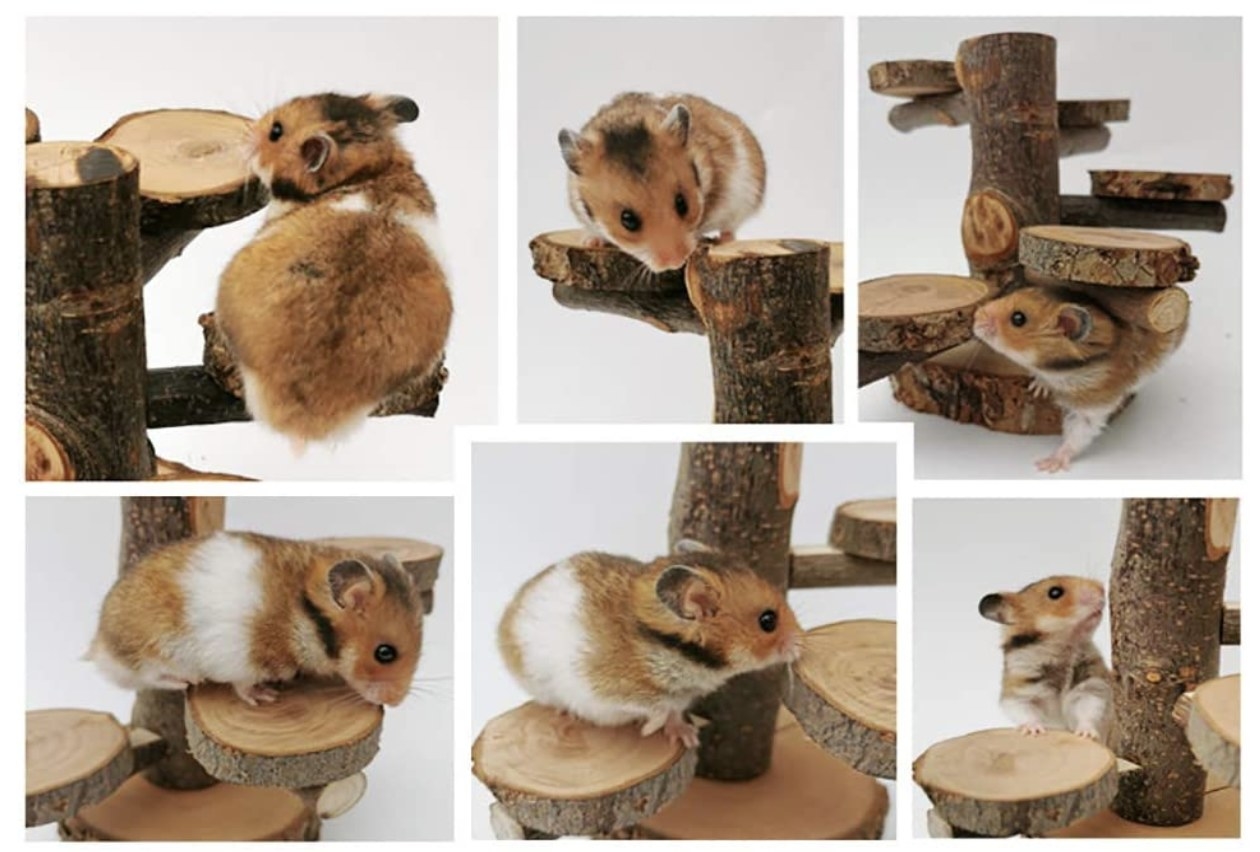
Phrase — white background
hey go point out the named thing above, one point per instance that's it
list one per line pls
(965, 549)
(781, 76)
(409, 781)
(84, 74)
(534, 505)
(1183, 77)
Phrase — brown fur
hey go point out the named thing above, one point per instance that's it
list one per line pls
(145, 606)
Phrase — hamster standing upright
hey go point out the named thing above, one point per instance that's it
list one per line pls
(249, 610)
(1088, 360)
(651, 174)
(1053, 676)
(341, 296)
(613, 640)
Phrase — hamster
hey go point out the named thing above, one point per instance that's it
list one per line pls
(651, 174)
(249, 610)
(341, 296)
(1052, 674)
(612, 640)
(1088, 360)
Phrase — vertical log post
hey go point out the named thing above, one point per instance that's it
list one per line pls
(739, 499)
(1009, 80)
(1167, 596)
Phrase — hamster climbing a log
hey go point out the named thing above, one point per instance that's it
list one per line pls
(1053, 676)
(251, 610)
(613, 640)
(341, 296)
(653, 174)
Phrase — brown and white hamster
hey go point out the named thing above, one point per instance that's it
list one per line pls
(651, 174)
(1053, 676)
(613, 640)
(249, 610)
(1088, 360)
(342, 295)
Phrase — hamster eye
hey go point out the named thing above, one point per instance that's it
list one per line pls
(1055, 592)
(680, 205)
(277, 130)
(1018, 319)
(768, 620)
(385, 654)
(630, 220)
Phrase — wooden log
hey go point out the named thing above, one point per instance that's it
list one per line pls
(1210, 715)
(844, 693)
(1231, 624)
(911, 78)
(1115, 257)
(952, 110)
(85, 312)
(1161, 186)
(420, 558)
(1009, 79)
(556, 774)
(823, 566)
(1221, 818)
(563, 257)
(32, 126)
(1090, 113)
(918, 313)
(74, 758)
(766, 310)
(1167, 590)
(873, 366)
(999, 782)
(1159, 309)
(1142, 214)
(866, 528)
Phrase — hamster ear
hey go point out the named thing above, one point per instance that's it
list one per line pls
(690, 545)
(1075, 322)
(993, 607)
(403, 109)
(315, 151)
(678, 122)
(350, 584)
(573, 148)
(686, 593)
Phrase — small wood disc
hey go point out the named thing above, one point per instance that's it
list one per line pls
(911, 78)
(866, 528)
(32, 126)
(67, 164)
(563, 257)
(1000, 782)
(1212, 727)
(1162, 186)
(74, 758)
(1116, 257)
(844, 693)
(315, 733)
(1090, 113)
(901, 313)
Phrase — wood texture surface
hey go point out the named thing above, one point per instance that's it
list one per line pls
(74, 758)
(866, 528)
(563, 258)
(1231, 624)
(1221, 818)
(909, 78)
(1212, 719)
(1115, 257)
(1162, 186)
(952, 110)
(824, 566)
(1160, 309)
(32, 126)
(918, 312)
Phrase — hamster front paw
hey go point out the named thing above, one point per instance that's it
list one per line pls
(1038, 388)
(1061, 460)
(254, 694)
(679, 730)
(1032, 729)
(1087, 732)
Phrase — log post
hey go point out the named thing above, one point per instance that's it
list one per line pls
(1167, 595)
(739, 499)
(1009, 82)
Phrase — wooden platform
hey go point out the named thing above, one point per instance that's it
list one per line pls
(74, 758)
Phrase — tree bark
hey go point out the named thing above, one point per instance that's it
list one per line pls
(912, 78)
(1161, 186)
(1113, 257)
(1094, 212)
(666, 311)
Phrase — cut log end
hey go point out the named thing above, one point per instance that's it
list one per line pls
(1212, 722)
(910, 78)
(990, 230)
(1164, 186)
(1222, 515)
(171, 471)
(46, 458)
(340, 796)
(74, 758)
(70, 164)
(866, 528)
(187, 153)
(918, 313)
(1114, 257)
(32, 126)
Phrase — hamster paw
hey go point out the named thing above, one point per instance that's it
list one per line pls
(1032, 729)
(1087, 733)
(1038, 388)
(1061, 460)
(254, 694)
(298, 447)
(679, 730)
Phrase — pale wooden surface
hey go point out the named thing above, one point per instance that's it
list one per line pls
(186, 153)
(340, 796)
(917, 312)
(1222, 817)
(835, 268)
(73, 758)
(866, 528)
(1117, 257)
(66, 164)
(1212, 723)
(1160, 186)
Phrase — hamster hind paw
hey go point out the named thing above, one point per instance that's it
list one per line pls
(1032, 729)
(1061, 460)
(1087, 733)
(679, 730)
(254, 694)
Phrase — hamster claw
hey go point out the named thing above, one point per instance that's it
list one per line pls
(298, 447)
(679, 730)
(1087, 733)
(1032, 729)
(254, 694)
(1038, 388)
(725, 236)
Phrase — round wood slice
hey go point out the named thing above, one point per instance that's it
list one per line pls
(1212, 727)
(806, 794)
(1221, 818)
(32, 127)
(1116, 257)
(973, 384)
(866, 528)
(920, 313)
(340, 796)
(67, 164)
(911, 78)
(561, 257)
(1163, 186)
(46, 458)
(316, 733)
(140, 810)
(194, 173)
(1090, 113)
(844, 693)
(1000, 782)
(560, 775)
(74, 758)
(420, 558)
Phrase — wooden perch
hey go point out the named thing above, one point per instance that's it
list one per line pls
(1210, 715)
(1142, 214)
(844, 693)
(1113, 257)
(918, 313)
(1159, 309)
(823, 566)
(911, 78)
(873, 366)
(1074, 141)
(667, 311)
(1160, 186)
(952, 111)
(32, 126)
(564, 258)
(315, 733)
(1231, 624)
(559, 775)
(420, 558)
(866, 528)
(999, 782)
(74, 758)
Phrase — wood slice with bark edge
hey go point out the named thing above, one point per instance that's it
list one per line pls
(1210, 715)
(420, 558)
(1000, 782)
(866, 528)
(910, 78)
(844, 693)
(140, 810)
(46, 459)
(315, 733)
(560, 775)
(823, 566)
(1221, 818)
(806, 794)
(563, 258)
(899, 313)
(1141, 214)
(1162, 186)
(32, 126)
(1115, 257)
(74, 758)
(1231, 624)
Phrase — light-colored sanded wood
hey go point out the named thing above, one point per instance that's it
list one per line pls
(68, 164)
(140, 810)
(844, 693)
(32, 126)
(74, 758)
(835, 268)
(1221, 818)
(952, 110)
(340, 796)
(563, 257)
(910, 78)
(806, 794)
(1231, 623)
(917, 312)
(1222, 514)
(46, 459)
(171, 471)
(560, 775)
(1089, 113)
(1164, 186)
(1000, 782)
(936, 826)
(866, 528)
(1211, 716)
(824, 566)
(1115, 257)
(315, 733)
